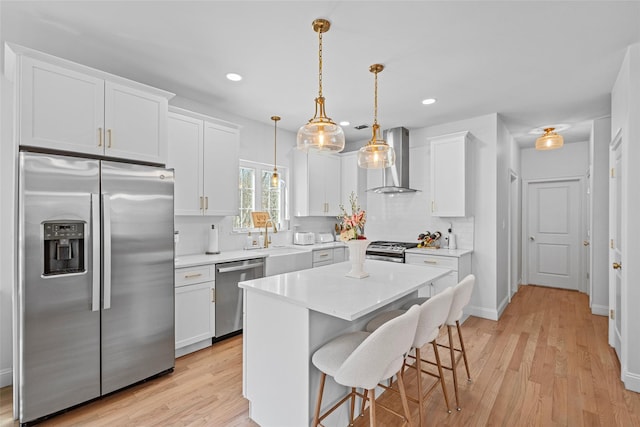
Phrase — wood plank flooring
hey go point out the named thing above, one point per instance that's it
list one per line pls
(546, 362)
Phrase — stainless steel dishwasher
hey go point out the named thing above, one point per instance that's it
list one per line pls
(229, 295)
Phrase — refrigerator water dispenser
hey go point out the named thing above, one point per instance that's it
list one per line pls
(63, 247)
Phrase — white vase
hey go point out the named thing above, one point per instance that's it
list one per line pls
(357, 251)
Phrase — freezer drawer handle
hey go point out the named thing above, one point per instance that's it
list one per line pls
(106, 228)
(95, 254)
(240, 267)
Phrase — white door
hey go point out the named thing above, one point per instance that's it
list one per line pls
(554, 218)
(615, 251)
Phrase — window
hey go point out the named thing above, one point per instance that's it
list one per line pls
(256, 194)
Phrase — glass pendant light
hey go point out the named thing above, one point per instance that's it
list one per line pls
(549, 141)
(377, 154)
(320, 133)
(274, 176)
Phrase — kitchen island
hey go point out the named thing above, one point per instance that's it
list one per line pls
(289, 316)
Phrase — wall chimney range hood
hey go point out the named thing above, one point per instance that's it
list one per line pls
(396, 178)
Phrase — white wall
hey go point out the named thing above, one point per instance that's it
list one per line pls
(625, 110)
(7, 231)
(404, 216)
(599, 215)
(569, 161)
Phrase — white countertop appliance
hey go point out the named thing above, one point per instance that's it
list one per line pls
(325, 237)
(304, 238)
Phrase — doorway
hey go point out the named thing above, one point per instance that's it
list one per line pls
(553, 231)
(615, 251)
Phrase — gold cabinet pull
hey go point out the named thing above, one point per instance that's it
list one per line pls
(201, 203)
(192, 275)
(99, 137)
(213, 295)
(617, 266)
(109, 137)
(206, 203)
(428, 261)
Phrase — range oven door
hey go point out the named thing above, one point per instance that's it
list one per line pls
(385, 257)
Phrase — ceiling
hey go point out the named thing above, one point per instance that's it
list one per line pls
(533, 62)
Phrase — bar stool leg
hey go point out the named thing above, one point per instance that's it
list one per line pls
(316, 414)
(453, 366)
(353, 405)
(372, 407)
(444, 387)
(403, 397)
(464, 352)
(420, 395)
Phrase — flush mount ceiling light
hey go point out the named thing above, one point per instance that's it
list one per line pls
(320, 133)
(549, 141)
(377, 154)
(274, 176)
(234, 77)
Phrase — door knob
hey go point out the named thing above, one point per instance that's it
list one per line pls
(585, 243)
(532, 238)
(617, 266)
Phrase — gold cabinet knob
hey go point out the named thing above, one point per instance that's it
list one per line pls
(617, 266)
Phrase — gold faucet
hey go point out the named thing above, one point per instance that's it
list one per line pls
(266, 232)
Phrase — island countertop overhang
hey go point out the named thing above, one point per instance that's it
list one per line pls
(327, 290)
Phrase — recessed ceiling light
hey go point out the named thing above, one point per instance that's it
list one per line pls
(234, 77)
(429, 101)
(344, 123)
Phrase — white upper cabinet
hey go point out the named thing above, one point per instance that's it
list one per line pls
(450, 176)
(317, 184)
(68, 107)
(221, 157)
(135, 123)
(205, 157)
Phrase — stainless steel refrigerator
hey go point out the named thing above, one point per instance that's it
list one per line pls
(96, 282)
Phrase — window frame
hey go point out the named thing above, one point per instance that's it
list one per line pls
(259, 168)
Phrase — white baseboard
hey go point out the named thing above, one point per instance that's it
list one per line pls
(600, 310)
(6, 377)
(503, 305)
(632, 381)
(485, 313)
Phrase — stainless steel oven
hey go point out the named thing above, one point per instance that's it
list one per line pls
(388, 251)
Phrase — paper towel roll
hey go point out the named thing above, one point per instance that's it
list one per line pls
(213, 241)
(452, 241)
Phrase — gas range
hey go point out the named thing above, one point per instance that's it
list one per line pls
(388, 251)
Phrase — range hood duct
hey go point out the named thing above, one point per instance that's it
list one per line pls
(396, 178)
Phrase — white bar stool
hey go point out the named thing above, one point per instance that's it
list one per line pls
(362, 360)
(433, 314)
(461, 297)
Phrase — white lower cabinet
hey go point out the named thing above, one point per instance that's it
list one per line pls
(460, 266)
(328, 256)
(194, 308)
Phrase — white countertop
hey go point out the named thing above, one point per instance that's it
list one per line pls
(238, 255)
(440, 252)
(327, 290)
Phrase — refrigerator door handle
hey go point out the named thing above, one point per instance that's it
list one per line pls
(95, 252)
(106, 241)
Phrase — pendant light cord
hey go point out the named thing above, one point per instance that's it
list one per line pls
(275, 132)
(320, 64)
(375, 100)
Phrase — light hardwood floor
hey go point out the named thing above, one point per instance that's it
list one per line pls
(546, 362)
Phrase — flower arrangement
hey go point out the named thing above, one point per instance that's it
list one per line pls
(352, 227)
